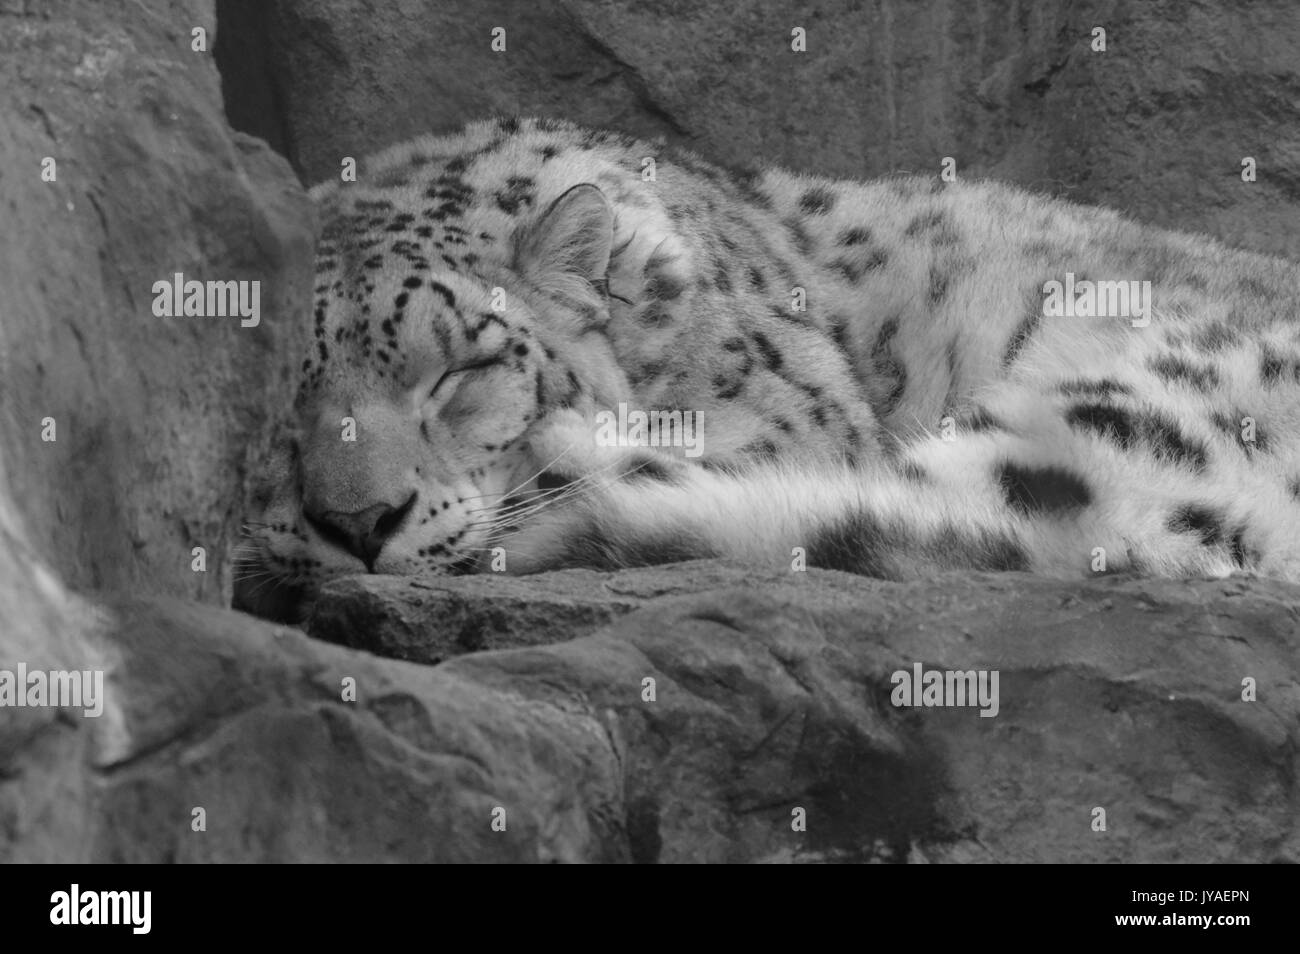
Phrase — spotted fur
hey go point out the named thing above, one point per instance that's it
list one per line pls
(879, 387)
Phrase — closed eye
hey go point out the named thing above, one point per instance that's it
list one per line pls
(448, 375)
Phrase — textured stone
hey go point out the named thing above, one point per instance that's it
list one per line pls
(771, 694)
(156, 418)
(430, 620)
(1011, 91)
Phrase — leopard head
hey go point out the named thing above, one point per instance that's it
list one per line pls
(428, 384)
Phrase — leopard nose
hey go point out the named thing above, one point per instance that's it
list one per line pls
(362, 533)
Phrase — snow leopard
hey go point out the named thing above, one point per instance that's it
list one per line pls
(891, 378)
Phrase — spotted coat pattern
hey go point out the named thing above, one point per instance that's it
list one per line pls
(877, 382)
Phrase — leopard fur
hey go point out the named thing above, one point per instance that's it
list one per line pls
(878, 386)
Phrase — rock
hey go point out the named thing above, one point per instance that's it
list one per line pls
(430, 620)
(155, 418)
(247, 721)
(882, 88)
(771, 694)
(45, 788)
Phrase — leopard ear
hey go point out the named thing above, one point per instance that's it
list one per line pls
(572, 240)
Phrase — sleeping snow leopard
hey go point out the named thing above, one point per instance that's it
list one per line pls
(876, 380)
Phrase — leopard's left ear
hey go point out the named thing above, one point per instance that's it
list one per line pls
(570, 245)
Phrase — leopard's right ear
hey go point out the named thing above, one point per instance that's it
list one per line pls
(566, 252)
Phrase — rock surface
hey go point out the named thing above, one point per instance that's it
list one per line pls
(155, 418)
(770, 695)
(431, 620)
(1156, 126)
